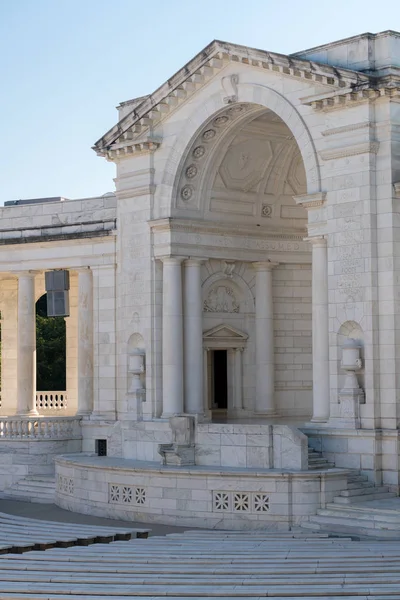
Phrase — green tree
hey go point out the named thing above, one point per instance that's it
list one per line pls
(50, 349)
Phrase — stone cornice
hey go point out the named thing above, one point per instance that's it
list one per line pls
(310, 201)
(127, 147)
(396, 187)
(362, 92)
(347, 128)
(133, 192)
(365, 148)
(202, 68)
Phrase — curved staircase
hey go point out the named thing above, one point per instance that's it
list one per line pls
(33, 488)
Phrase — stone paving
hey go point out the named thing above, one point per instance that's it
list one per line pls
(208, 564)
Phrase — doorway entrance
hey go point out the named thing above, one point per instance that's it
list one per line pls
(220, 379)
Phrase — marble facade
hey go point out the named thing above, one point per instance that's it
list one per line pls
(253, 233)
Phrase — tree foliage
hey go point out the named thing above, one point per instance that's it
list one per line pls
(50, 349)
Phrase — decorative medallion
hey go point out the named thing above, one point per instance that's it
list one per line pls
(221, 120)
(250, 502)
(221, 299)
(199, 151)
(191, 171)
(186, 192)
(208, 134)
(126, 494)
(235, 109)
(266, 210)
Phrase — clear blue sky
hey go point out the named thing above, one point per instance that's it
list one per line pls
(66, 64)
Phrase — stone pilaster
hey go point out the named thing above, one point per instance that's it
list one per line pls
(320, 330)
(26, 355)
(85, 342)
(265, 382)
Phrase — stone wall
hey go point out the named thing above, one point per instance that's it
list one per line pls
(293, 338)
(194, 496)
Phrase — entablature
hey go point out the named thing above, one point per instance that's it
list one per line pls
(182, 237)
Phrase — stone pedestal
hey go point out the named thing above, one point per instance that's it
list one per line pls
(181, 451)
(136, 389)
(351, 396)
(349, 409)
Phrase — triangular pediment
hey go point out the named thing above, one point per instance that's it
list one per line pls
(224, 332)
(131, 132)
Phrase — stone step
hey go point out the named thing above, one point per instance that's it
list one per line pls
(352, 485)
(364, 498)
(27, 496)
(364, 490)
(373, 521)
(349, 526)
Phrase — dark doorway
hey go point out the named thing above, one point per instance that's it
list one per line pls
(220, 370)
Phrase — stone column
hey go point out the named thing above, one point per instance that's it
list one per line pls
(193, 338)
(265, 382)
(320, 330)
(172, 338)
(26, 363)
(238, 379)
(85, 342)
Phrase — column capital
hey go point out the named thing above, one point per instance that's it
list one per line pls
(31, 274)
(266, 265)
(93, 268)
(82, 269)
(193, 261)
(310, 201)
(172, 260)
(317, 240)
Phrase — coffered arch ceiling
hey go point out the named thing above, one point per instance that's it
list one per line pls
(245, 167)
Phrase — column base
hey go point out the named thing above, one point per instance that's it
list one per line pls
(29, 413)
(266, 413)
(319, 419)
(83, 413)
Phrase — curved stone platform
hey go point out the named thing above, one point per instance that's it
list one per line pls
(195, 496)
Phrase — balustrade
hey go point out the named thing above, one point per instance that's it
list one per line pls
(39, 428)
(51, 401)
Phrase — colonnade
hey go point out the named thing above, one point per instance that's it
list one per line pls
(183, 368)
(26, 343)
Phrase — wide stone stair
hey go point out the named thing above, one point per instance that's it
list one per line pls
(208, 564)
(33, 488)
(317, 461)
(351, 511)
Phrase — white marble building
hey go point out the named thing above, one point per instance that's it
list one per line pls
(252, 236)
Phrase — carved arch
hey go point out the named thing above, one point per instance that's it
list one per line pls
(259, 98)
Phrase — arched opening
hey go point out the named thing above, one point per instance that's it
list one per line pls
(240, 172)
(50, 359)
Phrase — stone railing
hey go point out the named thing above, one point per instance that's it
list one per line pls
(39, 428)
(54, 401)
